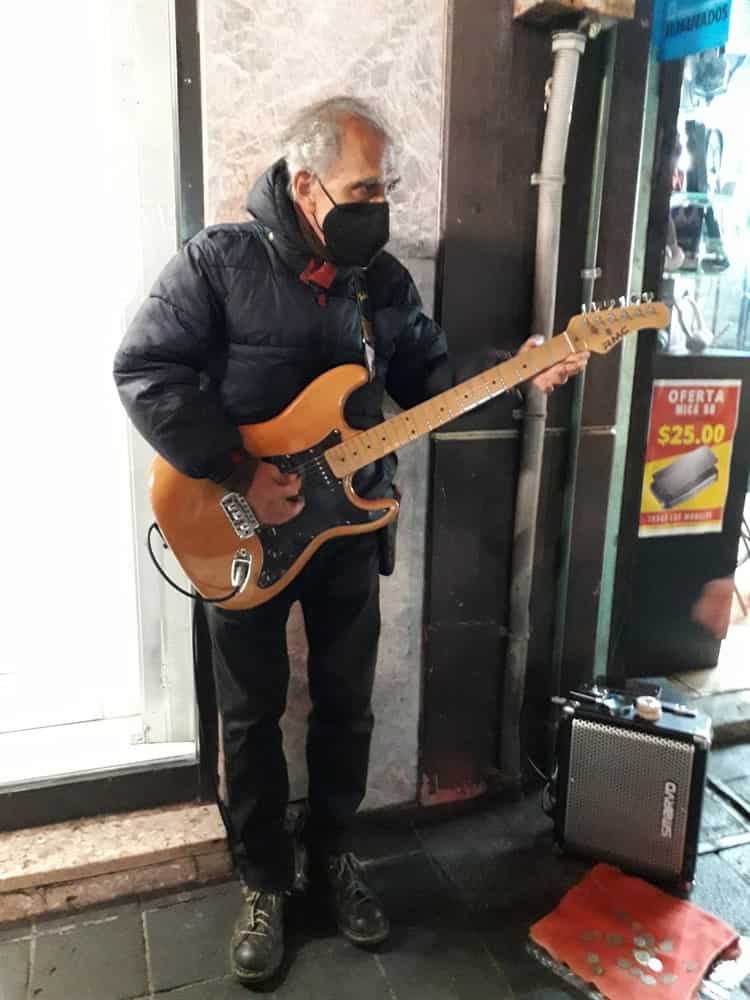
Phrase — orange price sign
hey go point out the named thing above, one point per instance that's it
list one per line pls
(688, 455)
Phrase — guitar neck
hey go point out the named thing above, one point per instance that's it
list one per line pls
(379, 441)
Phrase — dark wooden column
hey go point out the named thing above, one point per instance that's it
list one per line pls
(495, 123)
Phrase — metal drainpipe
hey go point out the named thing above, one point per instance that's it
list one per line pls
(567, 47)
(589, 274)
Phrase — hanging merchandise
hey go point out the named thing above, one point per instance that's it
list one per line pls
(688, 456)
(683, 27)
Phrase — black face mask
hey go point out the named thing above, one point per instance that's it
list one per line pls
(356, 232)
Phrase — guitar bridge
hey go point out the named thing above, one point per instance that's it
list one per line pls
(239, 514)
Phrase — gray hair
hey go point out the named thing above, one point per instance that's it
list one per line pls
(313, 140)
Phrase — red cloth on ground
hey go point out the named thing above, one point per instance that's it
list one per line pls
(609, 916)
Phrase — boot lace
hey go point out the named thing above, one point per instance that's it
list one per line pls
(259, 913)
(348, 874)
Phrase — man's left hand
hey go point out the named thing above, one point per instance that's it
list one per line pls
(558, 374)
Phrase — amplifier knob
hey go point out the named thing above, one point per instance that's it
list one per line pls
(648, 708)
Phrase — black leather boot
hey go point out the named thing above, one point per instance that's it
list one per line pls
(258, 941)
(359, 913)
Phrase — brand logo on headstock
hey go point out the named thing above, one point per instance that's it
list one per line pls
(613, 337)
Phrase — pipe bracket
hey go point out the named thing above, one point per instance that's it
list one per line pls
(505, 633)
(591, 272)
(558, 179)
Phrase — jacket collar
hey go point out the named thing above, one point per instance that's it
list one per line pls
(269, 203)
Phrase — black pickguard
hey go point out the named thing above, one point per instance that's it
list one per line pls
(326, 506)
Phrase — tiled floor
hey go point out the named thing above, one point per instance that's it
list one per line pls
(461, 895)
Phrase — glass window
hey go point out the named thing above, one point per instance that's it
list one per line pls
(707, 256)
(95, 670)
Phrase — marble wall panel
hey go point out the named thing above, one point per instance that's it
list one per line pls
(262, 60)
(396, 699)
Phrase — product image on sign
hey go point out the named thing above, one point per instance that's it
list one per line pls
(685, 477)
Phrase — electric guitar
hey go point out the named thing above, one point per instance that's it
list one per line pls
(232, 560)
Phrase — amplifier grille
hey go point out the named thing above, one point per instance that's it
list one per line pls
(627, 792)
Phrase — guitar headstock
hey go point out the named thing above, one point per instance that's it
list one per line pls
(601, 327)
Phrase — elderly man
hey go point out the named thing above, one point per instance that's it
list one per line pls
(239, 322)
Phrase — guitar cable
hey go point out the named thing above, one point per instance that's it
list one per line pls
(177, 587)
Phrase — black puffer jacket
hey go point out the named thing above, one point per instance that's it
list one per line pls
(231, 333)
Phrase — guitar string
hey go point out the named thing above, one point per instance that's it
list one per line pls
(317, 460)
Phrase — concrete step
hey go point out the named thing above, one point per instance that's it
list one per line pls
(68, 866)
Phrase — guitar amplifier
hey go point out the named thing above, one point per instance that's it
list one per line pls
(629, 788)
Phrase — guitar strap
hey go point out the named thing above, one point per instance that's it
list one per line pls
(365, 321)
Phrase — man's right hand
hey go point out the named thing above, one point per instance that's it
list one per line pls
(274, 496)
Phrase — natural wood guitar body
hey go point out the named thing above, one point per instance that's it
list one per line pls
(193, 523)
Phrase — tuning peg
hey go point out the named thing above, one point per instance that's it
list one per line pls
(612, 303)
(649, 297)
(621, 301)
(584, 308)
(635, 299)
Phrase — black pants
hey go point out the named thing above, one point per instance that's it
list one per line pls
(339, 594)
